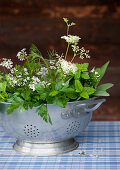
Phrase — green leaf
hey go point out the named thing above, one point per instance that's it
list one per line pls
(89, 90)
(67, 90)
(83, 67)
(58, 86)
(65, 20)
(15, 103)
(43, 96)
(77, 75)
(22, 109)
(60, 101)
(3, 86)
(85, 76)
(42, 111)
(101, 93)
(101, 90)
(53, 93)
(104, 87)
(78, 86)
(72, 95)
(101, 71)
(26, 94)
(84, 95)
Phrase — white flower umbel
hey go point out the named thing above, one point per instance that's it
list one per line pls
(22, 54)
(71, 39)
(7, 63)
(67, 66)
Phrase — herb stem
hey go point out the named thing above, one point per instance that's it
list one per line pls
(67, 51)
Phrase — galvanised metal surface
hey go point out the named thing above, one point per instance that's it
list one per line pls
(35, 136)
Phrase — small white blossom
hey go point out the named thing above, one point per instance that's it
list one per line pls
(43, 71)
(7, 63)
(35, 80)
(28, 78)
(52, 67)
(22, 54)
(71, 39)
(67, 66)
(92, 70)
(25, 69)
(32, 86)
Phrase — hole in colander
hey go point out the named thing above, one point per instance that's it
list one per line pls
(31, 131)
(73, 127)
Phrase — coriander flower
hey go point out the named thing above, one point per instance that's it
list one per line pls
(7, 63)
(43, 71)
(71, 39)
(22, 54)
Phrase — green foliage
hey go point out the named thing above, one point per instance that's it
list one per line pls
(101, 90)
(42, 111)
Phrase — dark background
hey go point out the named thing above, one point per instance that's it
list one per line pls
(23, 22)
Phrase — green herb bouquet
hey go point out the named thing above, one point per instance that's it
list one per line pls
(56, 81)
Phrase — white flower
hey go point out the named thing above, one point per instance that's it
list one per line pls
(71, 39)
(25, 69)
(75, 48)
(13, 70)
(43, 71)
(67, 66)
(35, 80)
(92, 70)
(22, 54)
(52, 67)
(32, 86)
(6, 63)
(28, 78)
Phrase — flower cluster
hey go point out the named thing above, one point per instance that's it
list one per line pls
(22, 54)
(6, 63)
(67, 66)
(71, 39)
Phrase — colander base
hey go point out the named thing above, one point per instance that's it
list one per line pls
(41, 149)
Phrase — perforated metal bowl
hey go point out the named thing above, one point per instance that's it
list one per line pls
(35, 136)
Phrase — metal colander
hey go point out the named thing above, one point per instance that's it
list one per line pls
(35, 136)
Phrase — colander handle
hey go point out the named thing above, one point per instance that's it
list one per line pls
(81, 108)
(97, 103)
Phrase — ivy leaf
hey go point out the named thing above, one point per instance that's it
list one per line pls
(83, 67)
(78, 86)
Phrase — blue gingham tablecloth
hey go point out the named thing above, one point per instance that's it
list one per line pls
(99, 148)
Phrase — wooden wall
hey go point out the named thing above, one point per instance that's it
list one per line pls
(40, 22)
